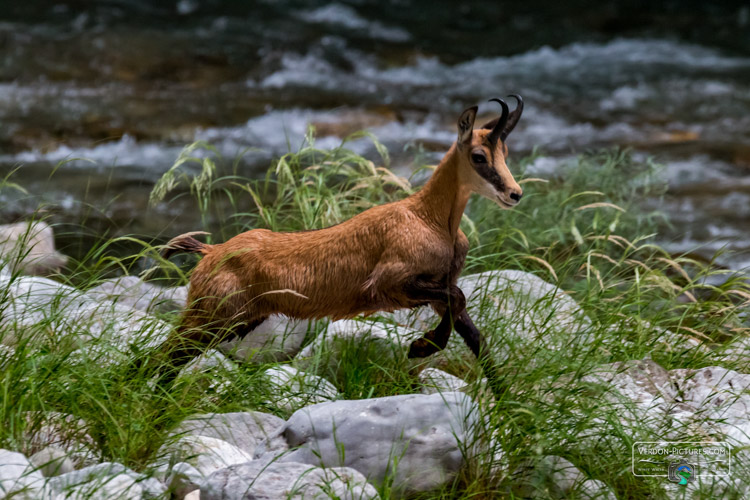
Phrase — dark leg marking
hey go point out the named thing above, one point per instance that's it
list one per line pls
(452, 300)
(434, 340)
(190, 343)
(478, 345)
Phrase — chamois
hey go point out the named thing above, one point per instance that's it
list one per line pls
(402, 254)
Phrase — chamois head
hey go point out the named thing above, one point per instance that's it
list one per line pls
(482, 154)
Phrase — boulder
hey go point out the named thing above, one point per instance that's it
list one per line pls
(556, 477)
(291, 389)
(679, 403)
(736, 352)
(644, 382)
(276, 339)
(245, 430)
(714, 398)
(63, 432)
(434, 380)
(383, 341)
(44, 307)
(594, 489)
(133, 292)
(18, 477)
(418, 441)
(52, 461)
(116, 487)
(258, 480)
(641, 401)
(106, 481)
(213, 362)
(184, 479)
(6, 353)
(29, 247)
(204, 454)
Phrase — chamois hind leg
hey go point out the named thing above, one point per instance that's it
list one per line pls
(208, 322)
(189, 343)
(451, 301)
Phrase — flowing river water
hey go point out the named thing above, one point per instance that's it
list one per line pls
(106, 95)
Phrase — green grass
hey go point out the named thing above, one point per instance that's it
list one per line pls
(584, 231)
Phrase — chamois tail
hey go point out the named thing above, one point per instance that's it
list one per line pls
(185, 243)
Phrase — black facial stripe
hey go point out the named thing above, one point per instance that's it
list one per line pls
(490, 175)
(491, 149)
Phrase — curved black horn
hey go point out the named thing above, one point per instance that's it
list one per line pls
(499, 127)
(513, 118)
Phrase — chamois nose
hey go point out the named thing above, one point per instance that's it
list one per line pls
(516, 196)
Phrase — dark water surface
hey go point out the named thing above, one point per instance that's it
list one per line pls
(126, 84)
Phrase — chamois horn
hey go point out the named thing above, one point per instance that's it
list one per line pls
(513, 118)
(497, 130)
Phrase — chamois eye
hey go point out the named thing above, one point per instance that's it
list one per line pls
(478, 158)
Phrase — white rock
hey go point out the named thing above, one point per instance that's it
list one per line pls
(7, 354)
(382, 341)
(424, 438)
(245, 430)
(205, 454)
(29, 247)
(644, 382)
(276, 339)
(183, 479)
(59, 308)
(291, 389)
(517, 295)
(557, 477)
(193, 495)
(715, 398)
(217, 364)
(62, 431)
(18, 477)
(104, 481)
(288, 480)
(387, 336)
(713, 388)
(679, 405)
(563, 474)
(434, 380)
(118, 487)
(52, 461)
(737, 352)
(593, 489)
(133, 292)
(641, 391)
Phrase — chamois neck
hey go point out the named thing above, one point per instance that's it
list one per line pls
(443, 198)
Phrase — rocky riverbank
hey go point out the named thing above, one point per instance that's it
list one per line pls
(310, 441)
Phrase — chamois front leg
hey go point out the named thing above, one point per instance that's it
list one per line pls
(453, 302)
(449, 298)
(478, 345)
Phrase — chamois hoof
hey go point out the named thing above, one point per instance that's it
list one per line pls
(421, 348)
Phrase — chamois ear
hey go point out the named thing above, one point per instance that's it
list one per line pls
(466, 125)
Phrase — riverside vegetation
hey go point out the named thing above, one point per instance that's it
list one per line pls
(603, 339)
